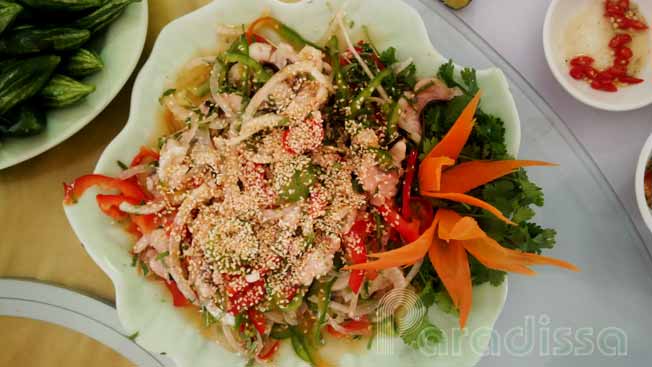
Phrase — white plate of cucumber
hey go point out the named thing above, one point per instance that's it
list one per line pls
(96, 42)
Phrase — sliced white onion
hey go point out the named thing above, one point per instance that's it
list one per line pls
(355, 54)
(229, 30)
(199, 61)
(400, 66)
(195, 198)
(291, 70)
(337, 327)
(149, 208)
(275, 316)
(379, 283)
(366, 308)
(338, 307)
(255, 125)
(342, 281)
(136, 170)
(353, 306)
(214, 85)
(414, 271)
(231, 341)
(395, 275)
(290, 318)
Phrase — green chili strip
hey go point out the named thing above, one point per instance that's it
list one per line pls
(201, 90)
(218, 77)
(362, 97)
(280, 332)
(322, 291)
(300, 346)
(240, 45)
(260, 74)
(292, 36)
(392, 122)
(341, 88)
(293, 305)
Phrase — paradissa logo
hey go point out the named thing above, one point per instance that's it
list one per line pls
(401, 313)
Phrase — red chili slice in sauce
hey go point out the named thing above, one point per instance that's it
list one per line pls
(618, 12)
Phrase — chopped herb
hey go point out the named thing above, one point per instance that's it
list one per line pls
(207, 318)
(133, 336)
(162, 255)
(122, 165)
(167, 93)
(134, 260)
(144, 268)
(299, 186)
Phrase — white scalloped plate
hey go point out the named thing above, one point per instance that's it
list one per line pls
(120, 47)
(144, 306)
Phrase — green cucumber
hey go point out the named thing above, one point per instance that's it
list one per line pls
(29, 41)
(22, 80)
(23, 120)
(63, 5)
(102, 17)
(8, 13)
(62, 91)
(83, 63)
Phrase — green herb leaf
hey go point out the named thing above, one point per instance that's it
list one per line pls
(122, 165)
(168, 92)
(144, 268)
(445, 303)
(133, 336)
(162, 255)
(299, 186)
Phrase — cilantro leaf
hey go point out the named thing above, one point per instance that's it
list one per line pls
(388, 57)
(424, 330)
(445, 302)
(514, 194)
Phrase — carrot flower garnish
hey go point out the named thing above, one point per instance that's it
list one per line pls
(451, 237)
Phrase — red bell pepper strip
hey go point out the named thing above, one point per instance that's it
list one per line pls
(242, 295)
(269, 350)
(145, 223)
(410, 171)
(257, 319)
(357, 252)
(352, 327)
(423, 210)
(80, 185)
(409, 231)
(178, 300)
(110, 205)
(145, 155)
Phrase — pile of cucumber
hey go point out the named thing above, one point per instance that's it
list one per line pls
(42, 57)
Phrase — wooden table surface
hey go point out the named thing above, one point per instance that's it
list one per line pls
(36, 241)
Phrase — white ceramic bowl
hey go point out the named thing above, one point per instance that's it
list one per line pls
(639, 188)
(560, 12)
(144, 305)
(120, 48)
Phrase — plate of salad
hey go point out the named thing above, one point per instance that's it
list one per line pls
(316, 185)
(61, 64)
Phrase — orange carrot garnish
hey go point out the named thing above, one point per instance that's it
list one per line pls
(470, 175)
(453, 143)
(469, 200)
(406, 255)
(430, 172)
(452, 265)
(447, 220)
(493, 255)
